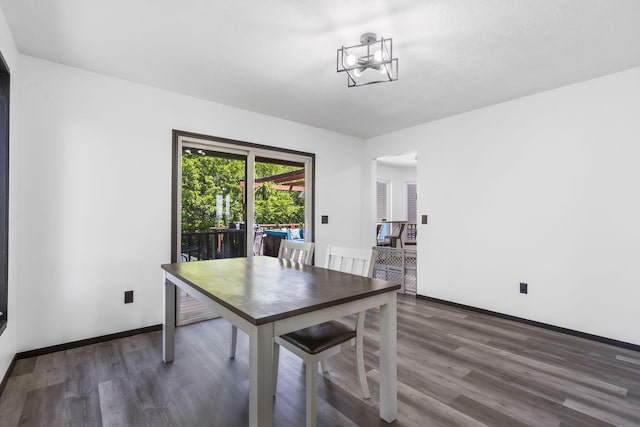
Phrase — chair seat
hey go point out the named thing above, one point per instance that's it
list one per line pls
(317, 338)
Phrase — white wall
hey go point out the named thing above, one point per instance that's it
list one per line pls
(95, 188)
(8, 338)
(541, 190)
(399, 177)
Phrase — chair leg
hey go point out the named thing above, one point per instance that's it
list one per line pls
(312, 392)
(276, 357)
(234, 340)
(362, 376)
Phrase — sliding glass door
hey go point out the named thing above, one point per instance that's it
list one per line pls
(235, 199)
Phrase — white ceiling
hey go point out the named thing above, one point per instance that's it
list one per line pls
(278, 57)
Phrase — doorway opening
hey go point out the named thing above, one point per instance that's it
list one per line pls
(396, 228)
(396, 200)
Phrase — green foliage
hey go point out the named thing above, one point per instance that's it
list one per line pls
(277, 206)
(270, 169)
(204, 177)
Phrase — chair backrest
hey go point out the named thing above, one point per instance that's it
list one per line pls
(296, 251)
(350, 260)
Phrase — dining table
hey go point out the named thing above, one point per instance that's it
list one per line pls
(266, 297)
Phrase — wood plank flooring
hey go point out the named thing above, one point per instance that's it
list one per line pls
(455, 368)
(191, 310)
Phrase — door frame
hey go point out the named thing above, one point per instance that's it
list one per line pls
(5, 89)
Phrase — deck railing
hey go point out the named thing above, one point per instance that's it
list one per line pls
(220, 242)
(213, 243)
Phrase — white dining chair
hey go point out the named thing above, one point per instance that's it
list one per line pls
(316, 343)
(301, 252)
(296, 251)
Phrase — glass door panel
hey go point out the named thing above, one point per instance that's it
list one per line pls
(279, 203)
(213, 213)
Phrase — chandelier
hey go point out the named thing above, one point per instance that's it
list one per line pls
(369, 62)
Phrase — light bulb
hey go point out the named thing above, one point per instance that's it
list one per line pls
(377, 56)
(351, 60)
(357, 72)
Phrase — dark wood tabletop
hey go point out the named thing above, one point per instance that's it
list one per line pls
(264, 289)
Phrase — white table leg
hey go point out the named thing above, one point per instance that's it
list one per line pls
(261, 376)
(388, 362)
(169, 327)
(311, 388)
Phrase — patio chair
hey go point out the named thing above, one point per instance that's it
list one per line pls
(258, 235)
(316, 343)
(391, 236)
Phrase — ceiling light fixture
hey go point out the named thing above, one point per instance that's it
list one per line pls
(370, 62)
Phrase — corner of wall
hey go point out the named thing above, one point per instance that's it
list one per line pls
(8, 341)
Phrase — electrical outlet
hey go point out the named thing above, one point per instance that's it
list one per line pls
(325, 219)
(523, 288)
(128, 297)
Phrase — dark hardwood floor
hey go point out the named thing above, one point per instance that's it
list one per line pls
(455, 368)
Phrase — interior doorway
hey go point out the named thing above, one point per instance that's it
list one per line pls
(396, 197)
(396, 229)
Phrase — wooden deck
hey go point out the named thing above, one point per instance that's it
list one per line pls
(191, 310)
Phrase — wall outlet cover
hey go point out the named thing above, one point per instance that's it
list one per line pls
(128, 297)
